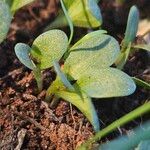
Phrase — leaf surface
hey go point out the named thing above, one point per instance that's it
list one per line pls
(104, 83)
(49, 47)
(95, 50)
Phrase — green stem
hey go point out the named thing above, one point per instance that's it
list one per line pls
(68, 20)
(125, 119)
(38, 76)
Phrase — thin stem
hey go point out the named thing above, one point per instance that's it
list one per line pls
(69, 21)
(125, 119)
(38, 76)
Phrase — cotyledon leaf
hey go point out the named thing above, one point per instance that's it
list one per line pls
(49, 47)
(83, 103)
(23, 51)
(104, 83)
(95, 50)
(132, 26)
(5, 20)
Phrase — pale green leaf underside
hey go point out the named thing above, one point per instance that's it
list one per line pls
(19, 3)
(95, 51)
(49, 47)
(104, 83)
(84, 104)
(142, 46)
(23, 51)
(87, 15)
(5, 20)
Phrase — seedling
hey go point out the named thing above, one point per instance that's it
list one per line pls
(87, 66)
(128, 41)
(85, 73)
(87, 15)
(46, 48)
(7, 10)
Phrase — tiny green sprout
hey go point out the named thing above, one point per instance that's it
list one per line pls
(87, 15)
(87, 74)
(130, 34)
(46, 48)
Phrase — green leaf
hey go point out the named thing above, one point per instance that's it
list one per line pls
(104, 83)
(142, 46)
(5, 20)
(49, 47)
(23, 51)
(69, 20)
(132, 26)
(17, 4)
(130, 142)
(144, 145)
(141, 83)
(83, 103)
(95, 50)
(87, 15)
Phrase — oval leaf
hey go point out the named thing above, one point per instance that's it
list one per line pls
(95, 50)
(48, 47)
(22, 51)
(132, 26)
(104, 83)
(5, 20)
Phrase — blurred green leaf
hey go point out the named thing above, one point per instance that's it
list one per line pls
(130, 142)
(142, 46)
(23, 51)
(87, 15)
(5, 20)
(48, 47)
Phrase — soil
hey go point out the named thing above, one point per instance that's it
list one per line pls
(26, 121)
